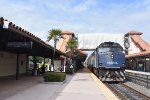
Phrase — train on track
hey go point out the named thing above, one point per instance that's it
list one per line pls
(107, 62)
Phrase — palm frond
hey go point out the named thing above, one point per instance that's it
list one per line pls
(71, 44)
(54, 33)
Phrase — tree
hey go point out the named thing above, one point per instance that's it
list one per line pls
(54, 34)
(72, 44)
(35, 59)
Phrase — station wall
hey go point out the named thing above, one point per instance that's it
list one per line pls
(8, 63)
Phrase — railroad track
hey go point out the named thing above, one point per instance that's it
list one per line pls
(126, 93)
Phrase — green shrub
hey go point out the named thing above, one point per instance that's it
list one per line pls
(54, 76)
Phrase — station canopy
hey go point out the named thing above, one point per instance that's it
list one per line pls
(15, 39)
(89, 41)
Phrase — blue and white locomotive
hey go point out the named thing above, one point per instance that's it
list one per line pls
(108, 62)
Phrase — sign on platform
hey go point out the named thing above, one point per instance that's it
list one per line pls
(20, 44)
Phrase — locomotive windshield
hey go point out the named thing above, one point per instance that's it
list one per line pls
(110, 47)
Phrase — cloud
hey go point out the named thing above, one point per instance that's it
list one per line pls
(79, 16)
(85, 6)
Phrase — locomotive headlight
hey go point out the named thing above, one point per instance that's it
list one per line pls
(112, 56)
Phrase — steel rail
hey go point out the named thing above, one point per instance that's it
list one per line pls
(116, 92)
(125, 92)
(137, 92)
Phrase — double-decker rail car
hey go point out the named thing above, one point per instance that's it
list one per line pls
(108, 62)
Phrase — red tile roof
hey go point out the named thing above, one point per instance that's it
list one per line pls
(77, 54)
(82, 52)
(138, 54)
(144, 46)
(134, 33)
(139, 42)
(67, 33)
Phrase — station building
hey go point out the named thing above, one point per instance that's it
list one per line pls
(16, 45)
(138, 54)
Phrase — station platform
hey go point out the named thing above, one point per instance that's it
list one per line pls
(82, 85)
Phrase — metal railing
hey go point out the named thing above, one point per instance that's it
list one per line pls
(141, 78)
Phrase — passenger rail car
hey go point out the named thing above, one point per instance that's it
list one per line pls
(108, 62)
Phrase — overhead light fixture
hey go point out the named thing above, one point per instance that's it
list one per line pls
(147, 59)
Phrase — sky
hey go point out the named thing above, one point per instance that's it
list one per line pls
(79, 16)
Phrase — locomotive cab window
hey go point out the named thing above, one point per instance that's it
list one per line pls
(103, 50)
(109, 47)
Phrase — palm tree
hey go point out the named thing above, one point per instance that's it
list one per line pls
(72, 45)
(54, 34)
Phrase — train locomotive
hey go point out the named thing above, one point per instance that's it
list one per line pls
(108, 62)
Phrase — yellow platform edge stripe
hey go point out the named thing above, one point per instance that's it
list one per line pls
(107, 93)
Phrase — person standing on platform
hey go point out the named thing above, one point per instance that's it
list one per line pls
(43, 69)
(72, 69)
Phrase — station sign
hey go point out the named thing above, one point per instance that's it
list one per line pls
(19, 44)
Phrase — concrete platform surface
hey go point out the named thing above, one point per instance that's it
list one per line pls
(79, 86)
